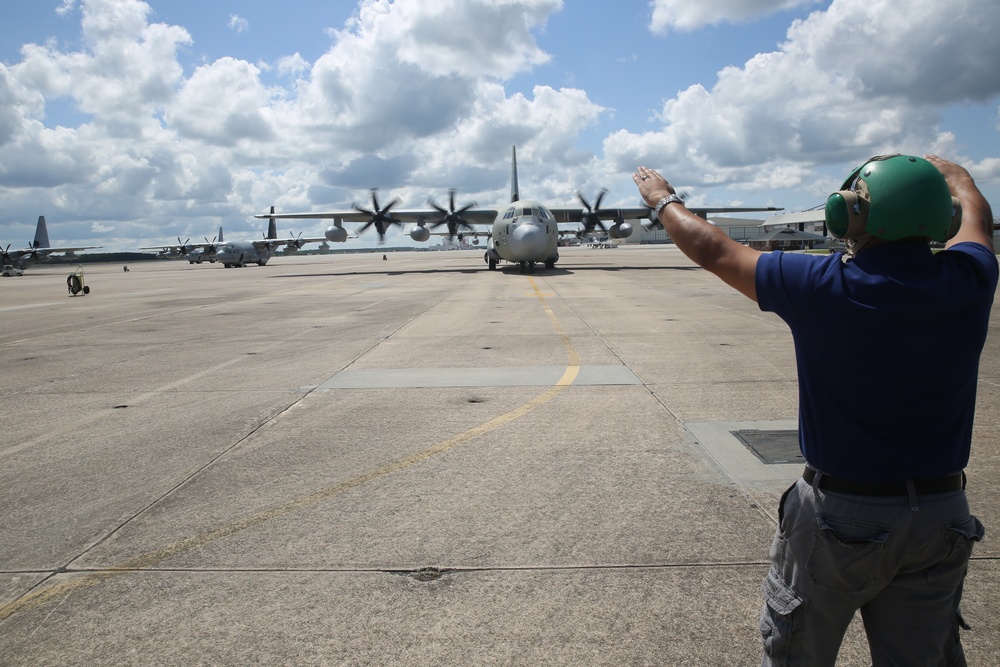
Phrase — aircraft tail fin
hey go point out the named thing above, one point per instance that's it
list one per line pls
(41, 234)
(272, 228)
(515, 195)
(220, 235)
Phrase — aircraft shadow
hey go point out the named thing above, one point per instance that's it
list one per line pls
(507, 270)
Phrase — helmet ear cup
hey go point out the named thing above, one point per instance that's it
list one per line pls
(956, 218)
(846, 214)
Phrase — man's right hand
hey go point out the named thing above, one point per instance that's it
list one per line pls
(977, 217)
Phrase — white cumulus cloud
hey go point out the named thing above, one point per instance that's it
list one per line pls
(688, 15)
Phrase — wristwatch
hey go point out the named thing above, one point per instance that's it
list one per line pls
(667, 200)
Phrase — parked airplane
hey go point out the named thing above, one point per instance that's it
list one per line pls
(524, 232)
(235, 253)
(195, 253)
(16, 261)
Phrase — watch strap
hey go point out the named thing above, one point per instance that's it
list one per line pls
(667, 200)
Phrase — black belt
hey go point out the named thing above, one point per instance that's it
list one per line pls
(954, 482)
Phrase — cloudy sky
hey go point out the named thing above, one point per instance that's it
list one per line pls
(129, 123)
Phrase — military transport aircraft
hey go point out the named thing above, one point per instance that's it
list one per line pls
(236, 253)
(15, 261)
(524, 232)
(195, 253)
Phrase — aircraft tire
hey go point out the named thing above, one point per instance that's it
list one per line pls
(493, 264)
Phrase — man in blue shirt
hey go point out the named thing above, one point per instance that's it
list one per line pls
(887, 341)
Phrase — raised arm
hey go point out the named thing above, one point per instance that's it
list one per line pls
(977, 217)
(704, 243)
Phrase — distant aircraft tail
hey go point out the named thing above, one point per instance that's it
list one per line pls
(41, 234)
(272, 228)
(220, 235)
(515, 194)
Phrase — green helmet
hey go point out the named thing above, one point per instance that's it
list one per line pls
(894, 197)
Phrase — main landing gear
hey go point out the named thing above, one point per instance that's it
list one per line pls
(529, 267)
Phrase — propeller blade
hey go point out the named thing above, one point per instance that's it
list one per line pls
(451, 217)
(380, 216)
(592, 216)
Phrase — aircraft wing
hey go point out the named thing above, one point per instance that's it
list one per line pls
(475, 216)
(484, 216)
(70, 253)
(16, 254)
(291, 243)
(13, 255)
(71, 250)
(177, 248)
(383, 218)
(576, 214)
(703, 211)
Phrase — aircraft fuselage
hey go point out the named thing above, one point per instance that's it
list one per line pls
(524, 233)
(199, 255)
(241, 253)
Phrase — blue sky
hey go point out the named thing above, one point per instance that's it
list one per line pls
(130, 123)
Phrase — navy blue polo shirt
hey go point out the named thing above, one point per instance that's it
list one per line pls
(887, 349)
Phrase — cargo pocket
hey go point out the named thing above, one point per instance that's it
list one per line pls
(960, 537)
(845, 554)
(776, 618)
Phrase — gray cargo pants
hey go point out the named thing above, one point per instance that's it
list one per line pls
(900, 560)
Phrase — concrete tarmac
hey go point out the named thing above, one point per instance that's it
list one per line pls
(340, 460)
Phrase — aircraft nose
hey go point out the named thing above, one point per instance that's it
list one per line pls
(527, 242)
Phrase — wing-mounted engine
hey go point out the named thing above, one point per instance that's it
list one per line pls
(591, 218)
(37, 256)
(292, 245)
(591, 215)
(185, 247)
(451, 217)
(381, 218)
(419, 232)
(211, 247)
(621, 229)
(336, 233)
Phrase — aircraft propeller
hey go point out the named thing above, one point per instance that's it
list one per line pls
(654, 223)
(591, 217)
(6, 258)
(210, 248)
(452, 217)
(380, 217)
(35, 257)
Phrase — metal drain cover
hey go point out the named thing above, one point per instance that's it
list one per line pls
(772, 446)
